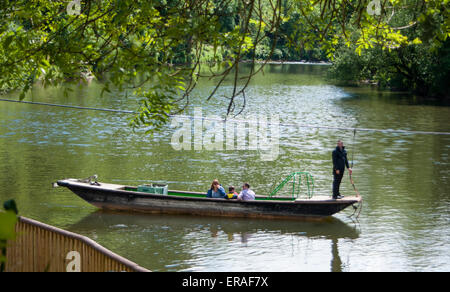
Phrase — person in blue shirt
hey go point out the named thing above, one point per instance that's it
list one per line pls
(216, 191)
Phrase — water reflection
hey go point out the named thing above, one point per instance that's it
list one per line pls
(336, 262)
(177, 239)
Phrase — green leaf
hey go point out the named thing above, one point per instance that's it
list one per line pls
(8, 221)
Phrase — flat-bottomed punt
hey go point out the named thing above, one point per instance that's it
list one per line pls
(127, 198)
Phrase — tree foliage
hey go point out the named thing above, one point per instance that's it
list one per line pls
(158, 49)
(420, 64)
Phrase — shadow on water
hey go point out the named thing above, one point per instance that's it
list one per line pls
(385, 96)
(174, 237)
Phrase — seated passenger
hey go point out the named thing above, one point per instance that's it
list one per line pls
(232, 194)
(247, 194)
(216, 191)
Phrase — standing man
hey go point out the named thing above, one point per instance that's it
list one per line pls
(340, 161)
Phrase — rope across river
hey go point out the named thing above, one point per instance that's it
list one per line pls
(293, 125)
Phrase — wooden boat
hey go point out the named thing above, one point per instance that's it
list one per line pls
(127, 198)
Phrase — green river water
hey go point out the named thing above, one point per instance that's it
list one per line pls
(403, 178)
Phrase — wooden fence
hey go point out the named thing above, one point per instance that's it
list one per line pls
(39, 247)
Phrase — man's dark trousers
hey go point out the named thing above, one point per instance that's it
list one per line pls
(337, 178)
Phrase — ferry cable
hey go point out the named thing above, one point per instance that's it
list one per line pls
(290, 125)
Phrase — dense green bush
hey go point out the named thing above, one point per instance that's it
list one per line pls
(412, 68)
(8, 219)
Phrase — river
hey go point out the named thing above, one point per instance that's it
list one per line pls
(403, 178)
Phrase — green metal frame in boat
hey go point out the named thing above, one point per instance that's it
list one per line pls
(128, 198)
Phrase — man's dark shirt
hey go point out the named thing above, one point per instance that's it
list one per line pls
(340, 160)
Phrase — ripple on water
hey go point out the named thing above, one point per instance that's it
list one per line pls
(402, 178)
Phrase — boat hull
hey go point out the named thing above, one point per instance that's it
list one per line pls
(118, 199)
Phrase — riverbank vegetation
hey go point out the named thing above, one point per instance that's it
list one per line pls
(421, 66)
(158, 50)
(8, 219)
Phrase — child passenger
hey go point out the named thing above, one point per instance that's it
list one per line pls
(232, 194)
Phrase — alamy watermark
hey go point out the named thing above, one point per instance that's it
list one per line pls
(374, 7)
(74, 261)
(74, 7)
(256, 133)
